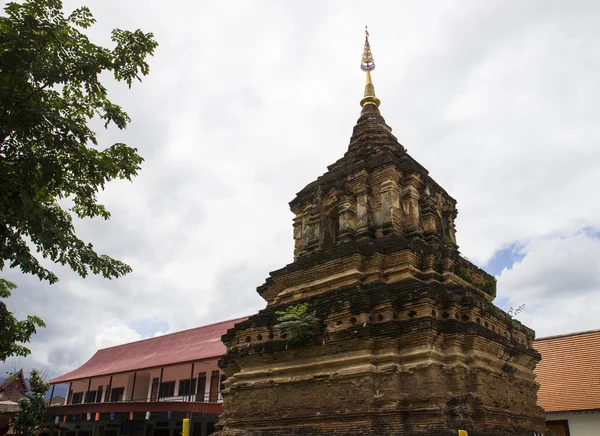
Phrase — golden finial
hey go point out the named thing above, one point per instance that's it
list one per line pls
(367, 65)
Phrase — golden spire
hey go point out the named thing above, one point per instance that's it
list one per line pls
(367, 65)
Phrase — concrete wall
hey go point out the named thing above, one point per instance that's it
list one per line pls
(584, 424)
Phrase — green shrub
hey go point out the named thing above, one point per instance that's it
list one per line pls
(490, 287)
(296, 322)
(464, 274)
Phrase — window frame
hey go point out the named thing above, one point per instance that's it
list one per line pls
(116, 394)
(77, 397)
(564, 422)
(90, 396)
(166, 389)
(185, 388)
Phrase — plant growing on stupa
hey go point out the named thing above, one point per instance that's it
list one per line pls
(513, 312)
(490, 287)
(296, 322)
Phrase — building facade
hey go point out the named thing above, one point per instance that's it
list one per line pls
(569, 377)
(146, 388)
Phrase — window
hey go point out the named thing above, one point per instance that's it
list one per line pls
(184, 387)
(559, 427)
(214, 387)
(154, 390)
(77, 398)
(201, 387)
(116, 394)
(90, 397)
(167, 389)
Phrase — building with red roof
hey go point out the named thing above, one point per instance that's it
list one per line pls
(14, 387)
(11, 391)
(569, 378)
(146, 388)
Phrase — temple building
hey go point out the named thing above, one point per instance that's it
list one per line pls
(146, 388)
(404, 337)
(12, 389)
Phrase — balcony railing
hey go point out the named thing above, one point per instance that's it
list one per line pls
(208, 397)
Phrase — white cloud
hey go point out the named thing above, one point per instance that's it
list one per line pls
(558, 280)
(247, 102)
(116, 335)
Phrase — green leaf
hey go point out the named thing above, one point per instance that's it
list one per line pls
(32, 406)
(14, 333)
(296, 322)
(51, 87)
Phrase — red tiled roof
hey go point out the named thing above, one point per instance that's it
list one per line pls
(569, 373)
(185, 346)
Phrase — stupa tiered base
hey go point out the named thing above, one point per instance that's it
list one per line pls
(394, 355)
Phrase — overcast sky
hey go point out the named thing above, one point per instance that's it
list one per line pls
(248, 101)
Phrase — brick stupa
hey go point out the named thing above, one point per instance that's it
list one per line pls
(408, 341)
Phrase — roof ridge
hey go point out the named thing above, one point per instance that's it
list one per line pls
(14, 377)
(566, 335)
(172, 333)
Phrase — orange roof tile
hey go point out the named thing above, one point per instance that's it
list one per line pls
(569, 373)
(180, 347)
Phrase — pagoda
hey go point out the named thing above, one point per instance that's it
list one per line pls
(403, 337)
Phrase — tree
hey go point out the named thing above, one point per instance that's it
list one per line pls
(32, 406)
(50, 89)
(13, 333)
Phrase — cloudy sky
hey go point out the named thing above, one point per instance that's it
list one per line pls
(248, 101)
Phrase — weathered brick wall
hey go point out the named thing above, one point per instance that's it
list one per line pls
(378, 426)
(442, 358)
